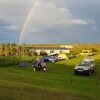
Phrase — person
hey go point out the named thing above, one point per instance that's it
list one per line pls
(34, 65)
(34, 69)
(38, 65)
(44, 66)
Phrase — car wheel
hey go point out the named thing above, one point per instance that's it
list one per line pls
(52, 61)
(94, 70)
(75, 73)
(89, 73)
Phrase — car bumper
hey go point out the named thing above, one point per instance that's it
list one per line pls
(81, 71)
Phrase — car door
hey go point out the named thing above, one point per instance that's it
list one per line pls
(92, 65)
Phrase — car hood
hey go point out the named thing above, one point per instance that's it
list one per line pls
(82, 67)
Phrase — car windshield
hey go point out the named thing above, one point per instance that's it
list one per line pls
(46, 57)
(49, 57)
(84, 63)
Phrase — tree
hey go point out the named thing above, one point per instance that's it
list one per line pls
(3, 49)
(8, 46)
(14, 50)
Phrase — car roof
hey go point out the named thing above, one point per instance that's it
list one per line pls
(47, 56)
(88, 59)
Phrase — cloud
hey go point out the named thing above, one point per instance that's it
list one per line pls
(13, 12)
(45, 14)
(48, 14)
(94, 29)
(52, 21)
(12, 27)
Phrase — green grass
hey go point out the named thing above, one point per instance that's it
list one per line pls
(58, 83)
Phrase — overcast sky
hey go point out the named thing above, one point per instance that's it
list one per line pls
(51, 21)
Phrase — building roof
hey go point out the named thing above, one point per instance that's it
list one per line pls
(54, 46)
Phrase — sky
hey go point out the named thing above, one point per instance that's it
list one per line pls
(50, 21)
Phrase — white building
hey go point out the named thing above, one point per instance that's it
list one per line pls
(52, 50)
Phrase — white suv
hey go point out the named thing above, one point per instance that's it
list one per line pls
(87, 66)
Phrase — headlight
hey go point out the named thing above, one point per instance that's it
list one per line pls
(75, 68)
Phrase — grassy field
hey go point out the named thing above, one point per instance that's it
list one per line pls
(57, 83)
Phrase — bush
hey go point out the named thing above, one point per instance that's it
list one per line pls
(9, 61)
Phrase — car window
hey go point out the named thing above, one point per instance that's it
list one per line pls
(84, 63)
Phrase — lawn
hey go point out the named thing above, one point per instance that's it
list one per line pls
(57, 83)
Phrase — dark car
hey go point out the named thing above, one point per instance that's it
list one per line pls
(49, 59)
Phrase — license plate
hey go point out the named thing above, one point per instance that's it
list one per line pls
(80, 70)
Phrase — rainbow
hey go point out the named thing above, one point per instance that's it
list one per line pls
(24, 25)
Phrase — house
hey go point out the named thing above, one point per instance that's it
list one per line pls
(49, 51)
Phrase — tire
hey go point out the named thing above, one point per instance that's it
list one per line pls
(90, 73)
(94, 70)
(75, 73)
(52, 61)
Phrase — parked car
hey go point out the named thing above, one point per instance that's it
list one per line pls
(72, 55)
(87, 66)
(49, 59)
(55, 56)
(62, 57)
(86, 53)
